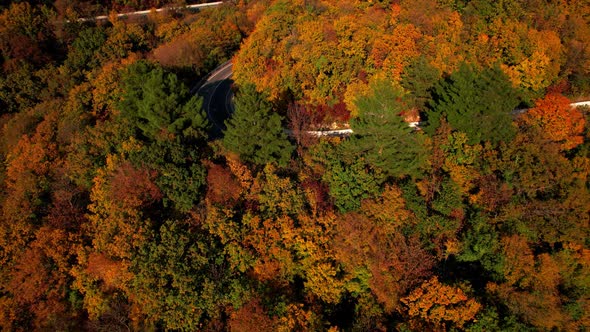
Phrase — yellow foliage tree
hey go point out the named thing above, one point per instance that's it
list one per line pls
(440, 304)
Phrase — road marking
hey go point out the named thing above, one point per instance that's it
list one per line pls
(229, 109)
(214, 90)
(145, 12)
(219, 71)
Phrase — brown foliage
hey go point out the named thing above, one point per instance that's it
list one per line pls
(492, 193)
(301, 120)
(396, 264)
(519, 261)
(251, 317)
(67, 210)
(180, 52)
(317, 195)
(222, 187)
(133, 187)
(112, 273)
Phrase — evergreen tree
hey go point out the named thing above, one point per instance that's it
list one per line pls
(382, 137)
(476, 103)
(418, 78)
(160, 104)
(254, 132)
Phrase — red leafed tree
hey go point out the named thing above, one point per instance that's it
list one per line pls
(222, 186)
(251, 317)
(556, 121)
(301, 120)
(134, 187)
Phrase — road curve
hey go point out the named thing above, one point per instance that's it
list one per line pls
(216, 92)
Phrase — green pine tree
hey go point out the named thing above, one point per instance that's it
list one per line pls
(477, 103)
(382, 137)
(256, 133)
(160, 104)
(418, 79)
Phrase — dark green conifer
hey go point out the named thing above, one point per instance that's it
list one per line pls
(254, 132)
(381, 135)
(478, 103)
(160, 104)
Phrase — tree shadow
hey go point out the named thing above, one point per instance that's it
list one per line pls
(217, 104)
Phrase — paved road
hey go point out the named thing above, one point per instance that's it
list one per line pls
(145, 12)
(216, 92)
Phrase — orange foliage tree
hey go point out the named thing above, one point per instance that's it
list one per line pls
(440, 304)
(555, 120)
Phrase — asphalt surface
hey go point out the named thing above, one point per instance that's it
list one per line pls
(217, 102)
(217, 94)
(145, 12)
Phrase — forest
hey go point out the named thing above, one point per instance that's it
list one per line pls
(121, 210)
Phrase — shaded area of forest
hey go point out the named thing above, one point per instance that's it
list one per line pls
(119, 212)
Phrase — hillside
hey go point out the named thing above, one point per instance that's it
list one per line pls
(122, 208)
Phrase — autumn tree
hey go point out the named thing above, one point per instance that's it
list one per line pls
(378, 259)
(555, 120)
(124, 39)
(39, 282)
(441, 305)
(222, 185)
(531, 287)
(252, 316)
(25, 35)
(208, 39)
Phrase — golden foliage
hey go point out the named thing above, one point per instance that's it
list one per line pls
(441, 304)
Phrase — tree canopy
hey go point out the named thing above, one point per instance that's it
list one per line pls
(119, 211)
(254, 132)
(476, 102)
(382, 137)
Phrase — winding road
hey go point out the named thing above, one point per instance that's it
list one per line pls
(216, 92)
(216, 87)
(145, 12)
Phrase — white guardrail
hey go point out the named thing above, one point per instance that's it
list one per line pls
(415, 125)
(145, 12)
